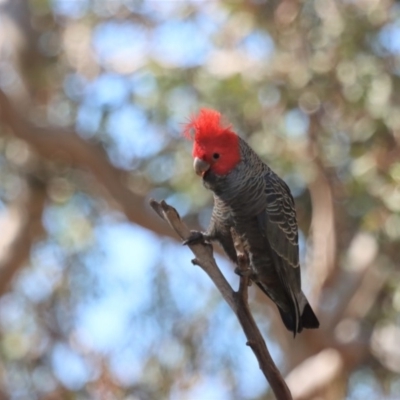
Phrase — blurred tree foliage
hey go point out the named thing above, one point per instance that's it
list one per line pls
(93, 95)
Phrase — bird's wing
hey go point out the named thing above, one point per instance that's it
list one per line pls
(279, 220)
(279, 226)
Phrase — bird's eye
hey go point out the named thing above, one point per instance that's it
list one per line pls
(215, 156)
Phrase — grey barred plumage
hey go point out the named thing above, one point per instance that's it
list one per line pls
(250, 197)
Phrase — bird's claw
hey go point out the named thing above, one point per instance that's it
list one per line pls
(195, 237)
(244, 272)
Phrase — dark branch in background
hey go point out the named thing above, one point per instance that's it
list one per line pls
(236, 300)
(64, 145)
(29, 231)
(323, 229)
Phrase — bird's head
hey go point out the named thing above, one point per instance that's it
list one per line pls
(215, 147)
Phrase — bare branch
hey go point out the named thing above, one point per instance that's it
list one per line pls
(236, 300)
(204, 254)
(243, 264)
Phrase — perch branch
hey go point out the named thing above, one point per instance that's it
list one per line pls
(236, 300)
(243, 265)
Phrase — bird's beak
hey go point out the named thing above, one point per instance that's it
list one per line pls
(200, 166)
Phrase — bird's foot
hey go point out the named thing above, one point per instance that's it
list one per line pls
(196, 237)
(244, 272)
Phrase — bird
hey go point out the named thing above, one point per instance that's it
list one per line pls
(251, 198)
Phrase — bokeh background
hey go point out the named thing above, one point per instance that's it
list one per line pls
(98, 298)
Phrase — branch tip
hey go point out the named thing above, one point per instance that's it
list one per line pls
(157, 208)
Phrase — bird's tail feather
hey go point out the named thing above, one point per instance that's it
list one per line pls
(308, 319)
(288, 320)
